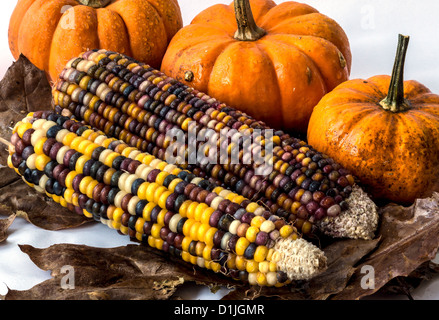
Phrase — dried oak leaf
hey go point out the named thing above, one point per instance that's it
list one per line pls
(130, 272)
(20, 199)
(405, 285)
(408, 239)
(23, 89)
(4, 226)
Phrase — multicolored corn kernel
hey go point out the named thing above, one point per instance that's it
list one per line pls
(139, 105)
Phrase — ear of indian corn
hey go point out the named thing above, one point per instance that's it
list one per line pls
(74, 165)
(139, 105)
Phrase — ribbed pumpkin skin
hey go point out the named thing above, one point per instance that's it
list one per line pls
(49, 38)
(277, 79)
(394, 154)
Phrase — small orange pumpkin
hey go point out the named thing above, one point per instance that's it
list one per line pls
(390, 142)
(51, 32)
(273, 62)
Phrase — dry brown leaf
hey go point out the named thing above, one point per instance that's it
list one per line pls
(4, 226)
(18, 198)
(409, 238)
(23, 89)
(125, 273)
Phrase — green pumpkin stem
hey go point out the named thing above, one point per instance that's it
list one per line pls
(247, 28)
(395, 101)
(95, 3)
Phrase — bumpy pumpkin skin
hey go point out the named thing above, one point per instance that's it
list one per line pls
(49, 36)
(395, 155)
(277, 79)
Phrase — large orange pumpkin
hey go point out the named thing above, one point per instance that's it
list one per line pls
(385, 131)
(274, 62)
(51, 32)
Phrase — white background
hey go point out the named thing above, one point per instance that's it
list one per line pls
(372, 27)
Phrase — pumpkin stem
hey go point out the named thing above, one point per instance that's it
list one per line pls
(395, 101)
(95, 3)
(247, 28)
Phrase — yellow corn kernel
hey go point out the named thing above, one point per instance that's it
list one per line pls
(90, 187)
(193, 232)
(75, 142)
(251, 233)
(252, 266)
(151, 241)
(68, 195)
(88, 214)
(117, 214)
(139, 225)
(150, 191)
(38, 148)
(252, 206)
(187, 227)
(215, 266)
(257, 221)
(295, 206)
(199, 211)
(108, 161)
(261, 253)
(162, 199)
(161, 177)
(84, 184)
(199, 248)
(264, 266)
(185, 256)
(157, 193)
(286, 231)
(207, 253)
(184, 207)
(68, 138)
(241, 245)
(79, 166)
(208, 239)
(40, 161)
(23, 128)
(186, 243)
(141, 192)
(155, 230)
(191, 210)
(146, 214)
(240, 263)
(205, 217)
(238, 199)
(231, 261)
(173, 184)
(90, 148)
(202, 230)
(261, 279)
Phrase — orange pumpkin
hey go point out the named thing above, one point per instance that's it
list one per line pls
(51, 32)
(385, 131)
(273, 62)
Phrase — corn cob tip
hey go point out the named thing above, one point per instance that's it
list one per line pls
(360, 221)
(300, 259)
